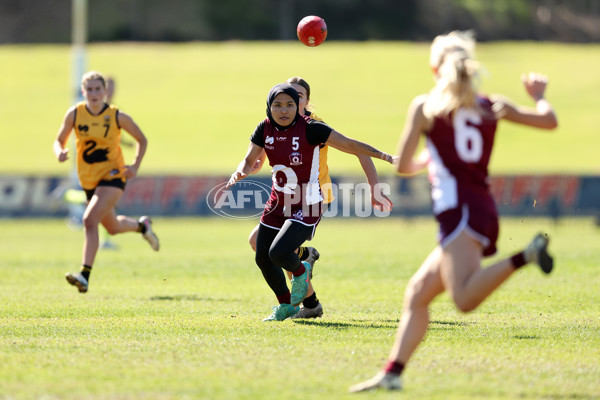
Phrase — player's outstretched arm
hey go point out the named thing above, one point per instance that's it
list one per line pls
(259, 163)
(379, 200)
(352, 146)
(542, 116)
(246, 165)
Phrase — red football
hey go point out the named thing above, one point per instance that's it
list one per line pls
(312, 30)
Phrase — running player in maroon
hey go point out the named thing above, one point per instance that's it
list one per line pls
(459, 126)
(292, 144)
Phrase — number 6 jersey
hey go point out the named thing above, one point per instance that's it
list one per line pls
(460, 146)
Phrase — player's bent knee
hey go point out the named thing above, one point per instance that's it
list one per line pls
(262, 260)
(276, 256)
(252, 238)
(282, 258)
(89, 223)
(112, 230)
(252, 242)
(414, 294)
(412, 299)
(464, 304)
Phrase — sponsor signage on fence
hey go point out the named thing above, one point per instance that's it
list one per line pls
(516, 195)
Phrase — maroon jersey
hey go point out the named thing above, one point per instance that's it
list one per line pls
(293, 154)
(460, 147)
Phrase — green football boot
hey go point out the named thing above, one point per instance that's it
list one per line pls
(282, 312)
(300, 285)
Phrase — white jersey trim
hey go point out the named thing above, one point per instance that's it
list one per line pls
(312, 234)
(444, 192)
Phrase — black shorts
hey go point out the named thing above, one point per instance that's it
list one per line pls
(117, 182)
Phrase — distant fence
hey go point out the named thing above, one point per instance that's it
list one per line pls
(45, 21)
(516, 195)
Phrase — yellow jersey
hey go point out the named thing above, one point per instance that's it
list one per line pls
(97, 140)
(324, 178)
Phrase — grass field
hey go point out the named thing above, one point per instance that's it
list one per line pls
(199, 102)
(185, 323)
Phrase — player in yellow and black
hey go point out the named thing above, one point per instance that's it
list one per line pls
(101, 169)
(311, 307)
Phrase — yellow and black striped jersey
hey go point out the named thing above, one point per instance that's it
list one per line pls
(97, 140)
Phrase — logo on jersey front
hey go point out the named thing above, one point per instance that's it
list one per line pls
(269, 140)
(298, 215)
(92, 155)
(82, 128)
(284, 179)
(295, 158)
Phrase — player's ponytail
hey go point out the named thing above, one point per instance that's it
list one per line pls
(456, 72)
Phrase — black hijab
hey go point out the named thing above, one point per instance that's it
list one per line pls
(289, 90)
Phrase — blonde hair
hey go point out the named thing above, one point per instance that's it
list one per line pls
(93, 75)
(453, 58)
(299, 81)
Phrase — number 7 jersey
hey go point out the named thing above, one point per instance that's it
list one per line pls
(97, 139)
(460, 146)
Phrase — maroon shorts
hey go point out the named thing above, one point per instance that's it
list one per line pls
(481, 223)
(274, 214)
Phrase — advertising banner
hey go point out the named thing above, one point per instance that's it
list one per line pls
(172, 195)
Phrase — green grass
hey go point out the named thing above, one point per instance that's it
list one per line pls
(199, 102)
(185, 323)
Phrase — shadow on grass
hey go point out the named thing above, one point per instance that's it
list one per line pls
(451, 323)
(526, 337)
(385, 324)
(558, 396)
(447, 325)
(186, 297)
(379, 324)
